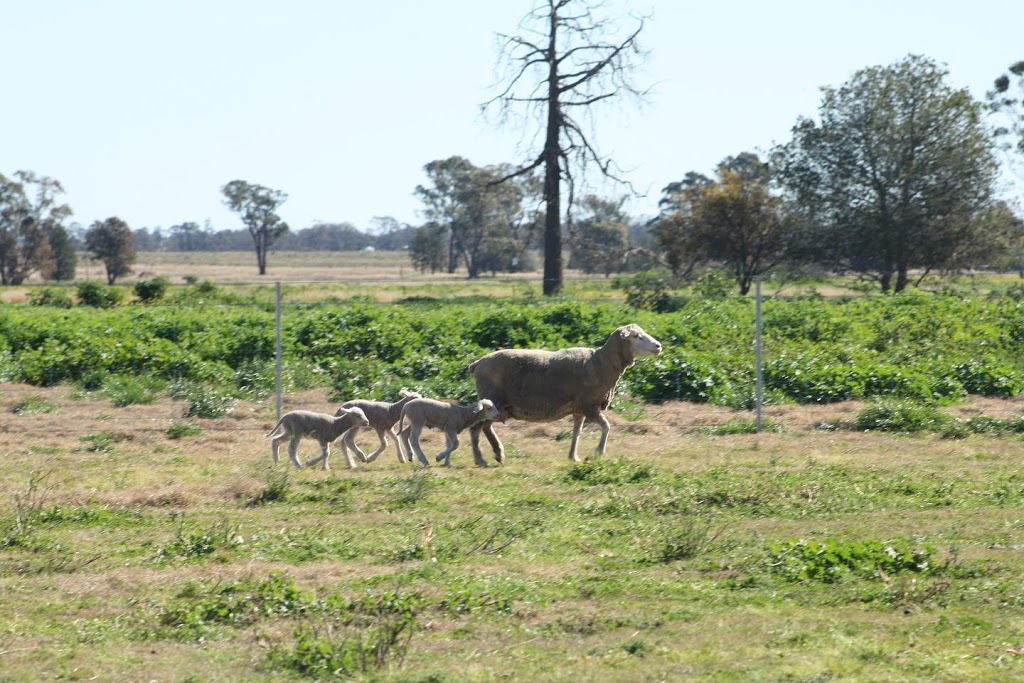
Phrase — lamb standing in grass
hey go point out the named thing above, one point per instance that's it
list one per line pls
(541, 386)
(320, 426)
(383, 417)
(449, 417)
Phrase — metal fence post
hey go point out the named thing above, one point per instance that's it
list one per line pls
(277, 349)
(758, 379)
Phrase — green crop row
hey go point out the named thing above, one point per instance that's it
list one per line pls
(932, 348)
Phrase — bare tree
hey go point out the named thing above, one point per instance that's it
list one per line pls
(563, 61)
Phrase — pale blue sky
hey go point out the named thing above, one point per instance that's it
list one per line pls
(144, 109)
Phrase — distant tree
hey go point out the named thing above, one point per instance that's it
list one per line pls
(325, 237)
(29, 215)
(257, 206)
(390, 234)
(562, 63)
(65, 258)
(427, 250)
(1006, 100)
(484, 220)
(733, 220)
(111, 241)
(669, 229)
(601, 239)
(899, 172)
(187, 236)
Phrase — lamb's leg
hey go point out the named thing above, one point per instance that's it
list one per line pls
(474, 440)
(602, 422)
(348, 456)
(577, 427)
(382, 443)
(499, 450)
(293, 450)
(398, 445)
(349, 439)
(325, 452)
(413, 442)
(451, 442)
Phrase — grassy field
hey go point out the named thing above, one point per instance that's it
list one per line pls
(140, 545)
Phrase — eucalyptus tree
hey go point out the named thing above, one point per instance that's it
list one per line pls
(898, 172)
(734, 219)
(1006, 101)
(257, 205)
(485, 221)
(602, 236)
(32, 233)
(564, 60)
(111, 241)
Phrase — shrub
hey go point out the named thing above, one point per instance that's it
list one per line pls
(98, 295)
(50, 296)
(830, 560)
(149, 291)
(900, 416)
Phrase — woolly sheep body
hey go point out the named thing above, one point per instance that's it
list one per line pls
(383, 417)
(448, 417)
(541, 386)
(324, 428)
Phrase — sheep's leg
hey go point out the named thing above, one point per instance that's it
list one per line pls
(293, 450)
(602, 422)
(577, 427)
(325, 452)
(413, 442)
(451, 442)
(499, 450)
(382, 443)
(398, 445)
(349, 439)
(348, 456)
(474, 440)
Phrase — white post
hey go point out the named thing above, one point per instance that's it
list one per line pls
(758, 380)
(277, 340)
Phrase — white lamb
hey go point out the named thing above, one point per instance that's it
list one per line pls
(383, 417)
(541, 386)
(320, 426)
(448, 417)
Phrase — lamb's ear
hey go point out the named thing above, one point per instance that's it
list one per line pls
(478, 407)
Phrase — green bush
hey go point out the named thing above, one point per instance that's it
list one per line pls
(98, 295)
(50, 296)
(830, 560)
(148, 291)
(900, 416)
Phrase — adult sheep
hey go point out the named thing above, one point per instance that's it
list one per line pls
(541, 386)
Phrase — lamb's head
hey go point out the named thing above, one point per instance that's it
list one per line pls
(640, 343)
(355, 414)
(486, 410)
(405, 393)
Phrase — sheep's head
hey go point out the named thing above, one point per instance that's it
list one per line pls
(640, 343)
(406, 393)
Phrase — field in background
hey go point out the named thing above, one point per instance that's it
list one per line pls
(140, 544)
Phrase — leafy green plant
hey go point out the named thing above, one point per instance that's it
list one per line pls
(126, 390)
(98, 295)
(180, 430)
(900, 416)
(688, 538)
(100, 442)
(601, 471)
(50, 296)
(740, 426)
(194, 542)
(31, 405)
(830, 560)
(148, 291)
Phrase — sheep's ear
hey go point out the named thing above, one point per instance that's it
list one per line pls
(478, 407)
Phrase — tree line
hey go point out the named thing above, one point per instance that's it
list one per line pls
(894, 178)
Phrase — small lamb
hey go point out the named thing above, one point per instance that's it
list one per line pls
(383, 417)
(324, 428)
(449, 417)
